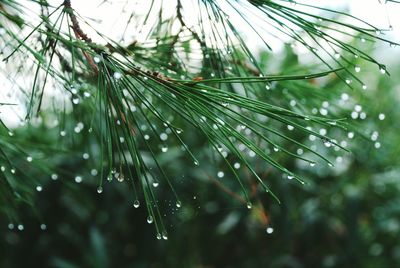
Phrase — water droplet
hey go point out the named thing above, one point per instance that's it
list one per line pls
(62, 133)
(12, 171)
(164, 235)
(159, 236)
(290, 177)
(382, 69)
(43, 226)
(276, 149)
(39, 188)
(357, 69)
(269, 230)
(99, 189)
(117, 75)
(20, 227)
(164, 148)
(196, 162)
(54, 176)
(178, 204)
(312, 164)
(236, 165)
(337, 55)
(364, 87)
(155, 184)
(136, 203)
(249, 205)
(163, 136)
(119, 177)
(85, 156)
(377, 145)
(93, 172)
(96, 59)
(29, 159)
(381, 116)
(220, 174)
(75, 101)
(78, 179)
(10, 133)
(150, 219)
(3, 168)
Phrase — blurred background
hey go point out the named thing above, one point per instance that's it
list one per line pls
(347, 215)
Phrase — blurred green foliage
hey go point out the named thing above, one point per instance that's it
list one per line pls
(345, 216)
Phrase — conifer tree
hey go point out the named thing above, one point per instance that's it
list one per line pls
(177, 80)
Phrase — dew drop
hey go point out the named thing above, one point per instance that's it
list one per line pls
(236, 165)
(164, 148)
(94, 172)
(178, 204)
(165, 235)
(220, 174)
(39, 188)
(29, 159)
(78, 179)
(43, 227)
(269, 230)
(150, 219)
(357, 68)
(163, 136)
(96, 59)
(136, 203)
(381, 116)
(196, 162)
(155, 184)
(117, 75)
(54, 176)
(85, 156)
(312, 164)
(159, 236)
(382, 69)
(99, 189)
(249, 205)
(12, 171)
(20, 227)
(364, 86)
